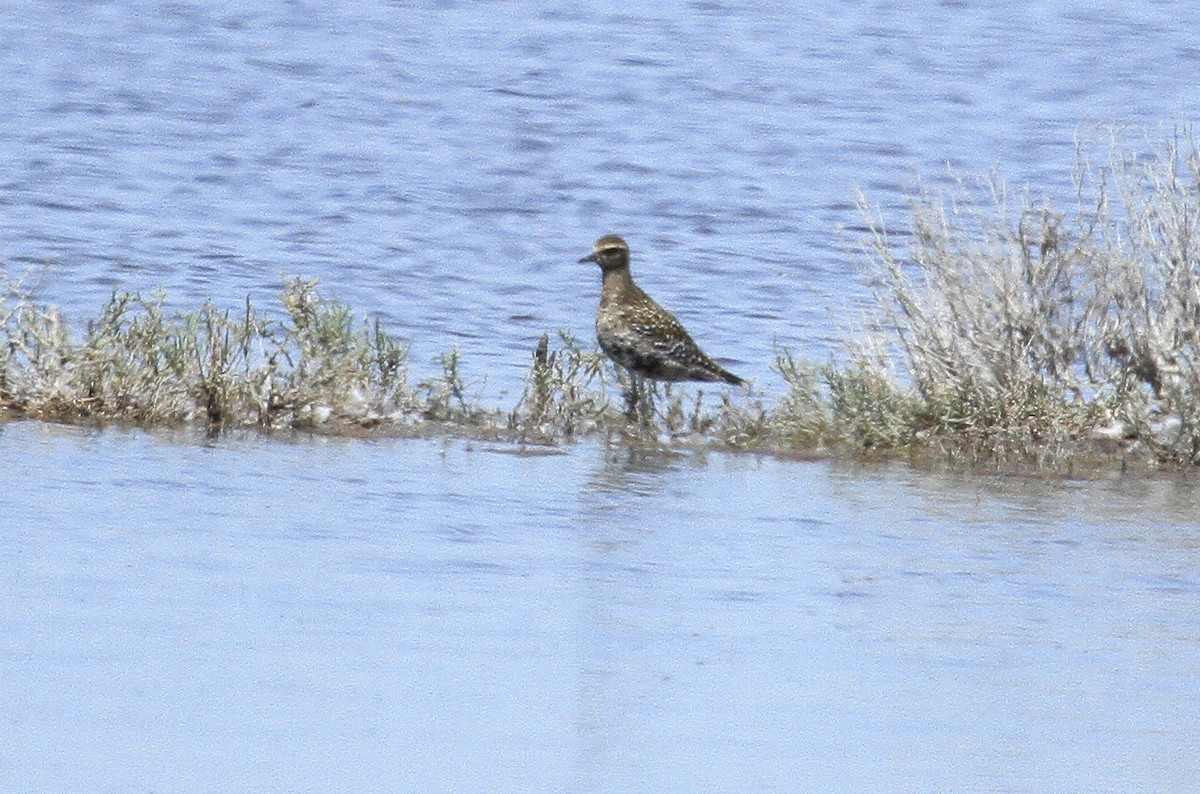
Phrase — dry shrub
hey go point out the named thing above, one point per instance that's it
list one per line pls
(1020, 326)
(135, 363)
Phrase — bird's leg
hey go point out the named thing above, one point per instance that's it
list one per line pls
(639, 400)
(632, 397)
(645, 402)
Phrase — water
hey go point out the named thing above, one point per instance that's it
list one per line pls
(446, 166)
(438, 616)
(264, 614)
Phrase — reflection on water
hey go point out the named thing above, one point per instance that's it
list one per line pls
(636, 469)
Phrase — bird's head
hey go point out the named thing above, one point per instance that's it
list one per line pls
(610, 253)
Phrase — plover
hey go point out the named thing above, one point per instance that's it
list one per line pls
(637, 333)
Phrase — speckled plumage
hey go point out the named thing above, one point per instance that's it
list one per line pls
(637, 333)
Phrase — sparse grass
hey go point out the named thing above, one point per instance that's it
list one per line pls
(564, 393)
(1004, 329)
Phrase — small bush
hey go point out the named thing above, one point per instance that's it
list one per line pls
(136, 364)
(1018, 326)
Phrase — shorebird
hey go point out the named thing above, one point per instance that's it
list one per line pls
(637, 333)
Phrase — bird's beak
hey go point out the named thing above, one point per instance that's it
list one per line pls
(589, 258)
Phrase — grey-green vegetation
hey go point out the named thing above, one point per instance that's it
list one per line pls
(1020, 330)
(1002, 329)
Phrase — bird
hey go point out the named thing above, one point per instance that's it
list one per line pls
(638, 334)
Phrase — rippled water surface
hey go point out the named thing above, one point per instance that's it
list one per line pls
(445, 166)
(313, 615)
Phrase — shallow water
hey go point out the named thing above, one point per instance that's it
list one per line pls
(322, 615)
(313, 614)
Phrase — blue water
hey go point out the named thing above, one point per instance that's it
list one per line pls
(316, 615)
(263, 614)
(445, 167)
